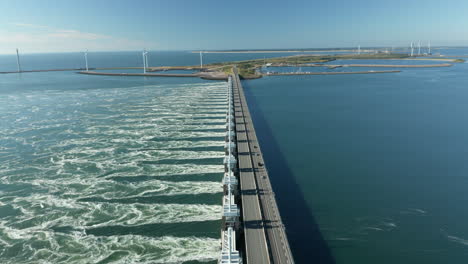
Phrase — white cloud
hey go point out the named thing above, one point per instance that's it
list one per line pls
(40, 38)
(29, 25)
(75, 34)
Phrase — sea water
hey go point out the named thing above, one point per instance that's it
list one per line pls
(368, 168)
(108, 169)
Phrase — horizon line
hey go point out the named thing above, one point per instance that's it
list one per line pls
(245, 49)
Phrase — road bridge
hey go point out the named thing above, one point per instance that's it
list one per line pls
(265, 237)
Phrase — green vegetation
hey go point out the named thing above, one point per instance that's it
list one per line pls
(248, 68)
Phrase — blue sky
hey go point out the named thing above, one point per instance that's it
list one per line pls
(64, 26)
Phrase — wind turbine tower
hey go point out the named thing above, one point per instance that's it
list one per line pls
(412, 49)
(201, 60)
(18, 60)
(86, 59)
(429, 48)
(145, 60)
(359, 49)
(419, 47)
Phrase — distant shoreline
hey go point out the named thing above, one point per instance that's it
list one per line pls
(279, 51)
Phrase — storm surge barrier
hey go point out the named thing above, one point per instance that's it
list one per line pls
(252, 229)
(231, 212)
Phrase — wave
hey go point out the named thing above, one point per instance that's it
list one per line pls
(47, 246)
(48, 210)
(112, 159)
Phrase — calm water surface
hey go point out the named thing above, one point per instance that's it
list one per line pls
(369, 168)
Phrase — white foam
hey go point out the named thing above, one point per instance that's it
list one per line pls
(48, 211)
(42, 246)
(458, 240)
(373, 228)
(73, 152)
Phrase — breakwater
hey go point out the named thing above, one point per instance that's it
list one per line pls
(202, 75)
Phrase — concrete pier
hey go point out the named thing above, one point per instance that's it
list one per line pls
(265, 237)
(203, 75)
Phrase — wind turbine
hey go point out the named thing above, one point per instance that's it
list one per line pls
(201, 60)
(429, 48)
(86, 58)
(419, 47)
(18, 60)
(411, 49)
(145, 60)
(359, 49)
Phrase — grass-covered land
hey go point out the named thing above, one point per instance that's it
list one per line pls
(247, 69)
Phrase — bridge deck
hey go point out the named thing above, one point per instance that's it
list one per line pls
(265, 238)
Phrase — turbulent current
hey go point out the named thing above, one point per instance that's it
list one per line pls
(122, 175)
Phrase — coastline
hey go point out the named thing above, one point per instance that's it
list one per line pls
(280, 51)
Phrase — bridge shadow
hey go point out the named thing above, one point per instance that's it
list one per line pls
(254, 192)
(253, 224)
(306, 241)
(256, 224)
(246, 170)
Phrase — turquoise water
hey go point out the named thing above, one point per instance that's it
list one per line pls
(101, 170)
(368, 168)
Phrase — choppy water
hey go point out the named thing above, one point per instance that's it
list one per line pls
(92, 171)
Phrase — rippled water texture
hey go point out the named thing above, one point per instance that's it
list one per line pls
(124, 174)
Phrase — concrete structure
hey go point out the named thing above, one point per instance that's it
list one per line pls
(265, 237)
(229, 254)
(231, 213)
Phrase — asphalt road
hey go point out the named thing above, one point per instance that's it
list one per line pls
(265, 237)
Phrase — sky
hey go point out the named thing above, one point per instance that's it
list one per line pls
(120, 25)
